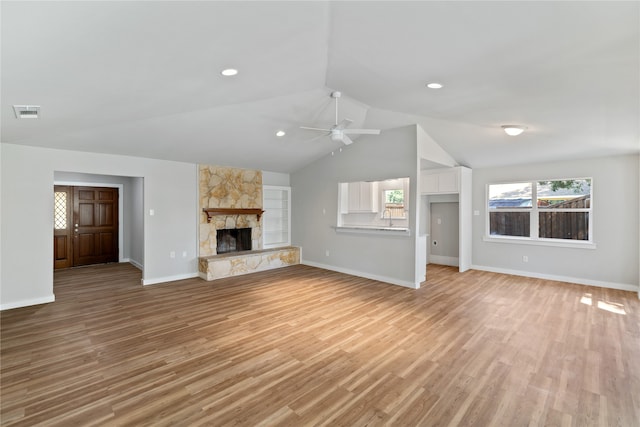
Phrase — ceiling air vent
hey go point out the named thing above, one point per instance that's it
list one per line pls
(27, 111)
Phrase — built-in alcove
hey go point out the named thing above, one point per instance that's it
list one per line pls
(446, 215)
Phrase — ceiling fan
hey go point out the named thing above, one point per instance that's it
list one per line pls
(339, 131)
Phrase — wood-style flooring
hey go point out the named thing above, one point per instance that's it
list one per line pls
(303, 346)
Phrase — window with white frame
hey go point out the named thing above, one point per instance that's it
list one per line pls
(393, 206)
(559, 210)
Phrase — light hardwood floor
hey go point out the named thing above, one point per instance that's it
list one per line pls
(303, 346)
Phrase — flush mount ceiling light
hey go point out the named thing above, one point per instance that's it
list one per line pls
(435, 85)
(513, 130)
(27, 111)
(228, 72)
(281, 133)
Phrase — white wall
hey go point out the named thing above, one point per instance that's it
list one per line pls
(27, 176)
(614, 262)
(275, 178)
(392, 154)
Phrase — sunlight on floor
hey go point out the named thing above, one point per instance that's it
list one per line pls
(612, 307)
(586, 299)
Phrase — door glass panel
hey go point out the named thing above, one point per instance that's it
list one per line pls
(60, 210)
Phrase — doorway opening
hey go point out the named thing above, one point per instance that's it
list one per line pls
(444, 227)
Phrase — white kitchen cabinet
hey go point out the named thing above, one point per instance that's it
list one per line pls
(440, 181)
(362, 197)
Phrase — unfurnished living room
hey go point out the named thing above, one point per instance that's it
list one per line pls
(302, 213)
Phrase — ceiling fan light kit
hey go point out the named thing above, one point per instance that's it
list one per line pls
(338, 132)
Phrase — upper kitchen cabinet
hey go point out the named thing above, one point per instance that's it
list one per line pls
(440, 181)
(362, 197)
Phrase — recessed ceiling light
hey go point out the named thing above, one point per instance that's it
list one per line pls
(27, 111)
(513, 130)
(228, 72)
(281, 133)
(435, 85)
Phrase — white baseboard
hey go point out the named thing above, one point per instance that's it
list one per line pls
(136, 264)
(157, 280)
(453, 261)
(27, 302)
(576, 280)
(385, 279)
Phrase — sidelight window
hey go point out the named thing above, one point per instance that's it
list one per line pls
(60, 210)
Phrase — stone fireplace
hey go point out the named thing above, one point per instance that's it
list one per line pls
(230, 225)
(233, 189)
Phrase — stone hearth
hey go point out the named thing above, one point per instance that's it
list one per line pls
(238, 263)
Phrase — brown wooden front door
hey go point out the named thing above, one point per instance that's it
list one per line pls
(90, 234)
(95, 217)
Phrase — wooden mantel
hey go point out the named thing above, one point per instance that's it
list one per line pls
(211, 212)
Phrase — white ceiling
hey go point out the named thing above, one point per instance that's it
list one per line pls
(143, 78)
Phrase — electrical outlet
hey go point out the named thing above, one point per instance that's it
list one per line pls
(326, 253)
(172, 254)
(525, 258)
(184, 254)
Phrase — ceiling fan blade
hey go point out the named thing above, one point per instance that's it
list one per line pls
(343, 124)
(346, 140)
(363, 131)
(320, 129)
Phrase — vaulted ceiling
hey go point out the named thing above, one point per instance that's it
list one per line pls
(143, 78)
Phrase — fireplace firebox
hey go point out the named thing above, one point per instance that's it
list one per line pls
(233, 240)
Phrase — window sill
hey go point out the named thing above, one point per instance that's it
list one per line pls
(394, 231)
(541, 242)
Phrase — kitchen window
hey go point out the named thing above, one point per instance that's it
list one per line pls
(393, 203)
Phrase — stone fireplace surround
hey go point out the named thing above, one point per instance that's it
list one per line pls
(232, 198)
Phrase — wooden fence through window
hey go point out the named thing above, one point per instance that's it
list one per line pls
(551, 223)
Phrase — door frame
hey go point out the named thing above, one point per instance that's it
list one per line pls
(120, 188)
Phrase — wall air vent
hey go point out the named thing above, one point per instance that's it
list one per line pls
(27, 111)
